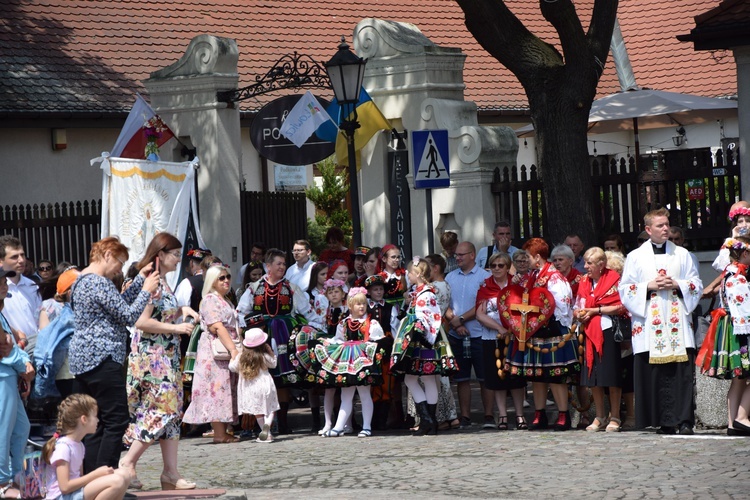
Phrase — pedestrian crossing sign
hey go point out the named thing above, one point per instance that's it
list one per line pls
(430, 159)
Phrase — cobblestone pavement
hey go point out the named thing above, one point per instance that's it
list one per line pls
(471, 463)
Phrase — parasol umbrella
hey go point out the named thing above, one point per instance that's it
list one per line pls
(648, 109)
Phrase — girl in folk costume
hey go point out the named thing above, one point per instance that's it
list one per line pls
(389, 268)
(724, 353)
(339, 270)
(550, 359)
(64, 452)
(351, 360)
(283, 306)
(387, 315)
(256, 391)
(419, 351)
(318, 276)
(597, 307)
(330, 307)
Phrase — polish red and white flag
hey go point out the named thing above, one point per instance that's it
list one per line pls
(142, 123)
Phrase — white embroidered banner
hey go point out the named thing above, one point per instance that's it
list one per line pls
(141, 198)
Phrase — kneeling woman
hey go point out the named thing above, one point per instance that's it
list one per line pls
(351, 360)
(418, 350)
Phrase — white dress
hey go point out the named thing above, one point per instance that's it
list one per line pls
(256, 396)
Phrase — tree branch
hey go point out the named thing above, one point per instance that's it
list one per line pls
(505, 37)
(562, 15)
(601, 27)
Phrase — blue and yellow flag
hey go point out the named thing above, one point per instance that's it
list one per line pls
(371, 121)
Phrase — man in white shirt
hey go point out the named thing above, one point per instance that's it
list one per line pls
(501, 236)
(23, 303)
(299, 272)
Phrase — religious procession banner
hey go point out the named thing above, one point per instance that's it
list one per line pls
(141, 198)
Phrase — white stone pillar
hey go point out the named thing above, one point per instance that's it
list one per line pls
(419, 86)
(184, 95)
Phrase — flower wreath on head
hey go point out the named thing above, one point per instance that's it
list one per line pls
(733, 243)
(332, 283)
(738, 211)
(356, 290)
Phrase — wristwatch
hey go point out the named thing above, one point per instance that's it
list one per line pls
(461, 319)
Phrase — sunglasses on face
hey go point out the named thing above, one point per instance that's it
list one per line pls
(45, 268)
(225, 277)
(497, 265)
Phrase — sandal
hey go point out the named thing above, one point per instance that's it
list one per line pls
(333, 433)
(614, 425)
(455, 423)
(364, 433)
(502, 423)
(444, 426)
(521, 424)
(9, 486)
(135, 483)
(227, 439)
(583, 422)
(597, 425)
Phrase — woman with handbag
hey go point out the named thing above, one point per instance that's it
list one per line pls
(154, 380)
(214, 386)
(598, 308)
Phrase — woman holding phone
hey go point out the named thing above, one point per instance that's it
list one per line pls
(154, 379)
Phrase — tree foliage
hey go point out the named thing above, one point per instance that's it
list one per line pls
(560, 87)
(329, 199)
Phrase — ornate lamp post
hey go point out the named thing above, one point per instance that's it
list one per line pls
(346, 72)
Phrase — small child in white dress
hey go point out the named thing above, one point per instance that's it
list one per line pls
(256, 392)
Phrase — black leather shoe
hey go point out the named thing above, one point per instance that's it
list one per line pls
(739, 426)
(686, 430)
(666, 430)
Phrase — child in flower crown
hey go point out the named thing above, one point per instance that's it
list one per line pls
(351, 360)
(256, 391)
(724, 353)
(76, 417)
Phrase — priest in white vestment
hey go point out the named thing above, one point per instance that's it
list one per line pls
(660, 286)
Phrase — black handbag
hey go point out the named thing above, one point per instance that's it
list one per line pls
(622, 328)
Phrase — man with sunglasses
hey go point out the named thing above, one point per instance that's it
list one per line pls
(23, 303)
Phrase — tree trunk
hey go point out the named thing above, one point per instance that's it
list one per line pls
(560, 92)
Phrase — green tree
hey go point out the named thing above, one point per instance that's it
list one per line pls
(329, 201)
(560, 88)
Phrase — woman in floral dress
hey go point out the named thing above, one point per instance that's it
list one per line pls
(154, 380)
(418, 350)
(214, 386)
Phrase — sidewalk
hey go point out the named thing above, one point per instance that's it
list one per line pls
(471, 463)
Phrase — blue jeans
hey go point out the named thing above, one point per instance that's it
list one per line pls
(14, 429)
(465, 364)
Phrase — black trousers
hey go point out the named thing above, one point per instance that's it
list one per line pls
(664, 392)
(106, 384)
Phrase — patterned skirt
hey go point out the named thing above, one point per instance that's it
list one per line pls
(154, 385)
(414, 356)
(729, 356)
(349, 364)
(302, 341)
(546, 360)
(279, 330)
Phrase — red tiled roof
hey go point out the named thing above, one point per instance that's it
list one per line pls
(91, 55)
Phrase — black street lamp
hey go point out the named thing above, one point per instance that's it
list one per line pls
(346, 72)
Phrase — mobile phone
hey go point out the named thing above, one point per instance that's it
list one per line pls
(742, 231)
